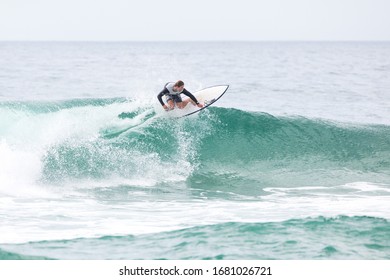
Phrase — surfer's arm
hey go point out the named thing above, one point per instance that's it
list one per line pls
(189, 94)
(161, 94)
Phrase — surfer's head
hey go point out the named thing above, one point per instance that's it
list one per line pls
(179, 86)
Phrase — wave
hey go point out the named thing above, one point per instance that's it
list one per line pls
(5, 255)
(341, 237)
(97, 139)
(42, 107)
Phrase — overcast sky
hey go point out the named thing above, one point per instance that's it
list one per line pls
(183, 20)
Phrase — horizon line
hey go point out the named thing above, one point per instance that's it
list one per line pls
(195, 41)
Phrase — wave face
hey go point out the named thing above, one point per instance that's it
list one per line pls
(58, 142)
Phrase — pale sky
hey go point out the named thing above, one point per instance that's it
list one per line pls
(193, 20)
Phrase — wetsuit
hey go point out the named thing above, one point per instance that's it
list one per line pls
(174, 95)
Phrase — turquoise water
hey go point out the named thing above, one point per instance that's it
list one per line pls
(357, 238)
(283, 167)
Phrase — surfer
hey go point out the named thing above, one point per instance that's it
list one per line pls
(172, 92)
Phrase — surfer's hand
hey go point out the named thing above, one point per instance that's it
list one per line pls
(200, 105)
(168, 108)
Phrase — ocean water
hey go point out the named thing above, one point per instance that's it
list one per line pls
(292, 163)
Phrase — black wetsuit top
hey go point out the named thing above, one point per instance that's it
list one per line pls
(165, 91)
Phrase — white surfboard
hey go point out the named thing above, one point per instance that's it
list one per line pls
(206, 96)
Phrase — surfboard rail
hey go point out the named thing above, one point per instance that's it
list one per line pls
(214, 99)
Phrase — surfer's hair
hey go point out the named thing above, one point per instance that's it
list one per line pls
(179, 83)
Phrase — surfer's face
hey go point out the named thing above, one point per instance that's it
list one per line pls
(179, 88)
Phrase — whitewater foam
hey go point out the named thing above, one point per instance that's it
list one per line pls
(19, 172)
(142, 217)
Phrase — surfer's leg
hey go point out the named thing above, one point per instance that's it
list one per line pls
(185, 102)
(171, 104)
(181, 105)
(170, 101)
(179, 102)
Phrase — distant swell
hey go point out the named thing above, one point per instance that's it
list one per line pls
(342, 237)
(5, 255)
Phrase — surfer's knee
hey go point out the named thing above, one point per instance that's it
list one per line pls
(171, 104)
(180, 105)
